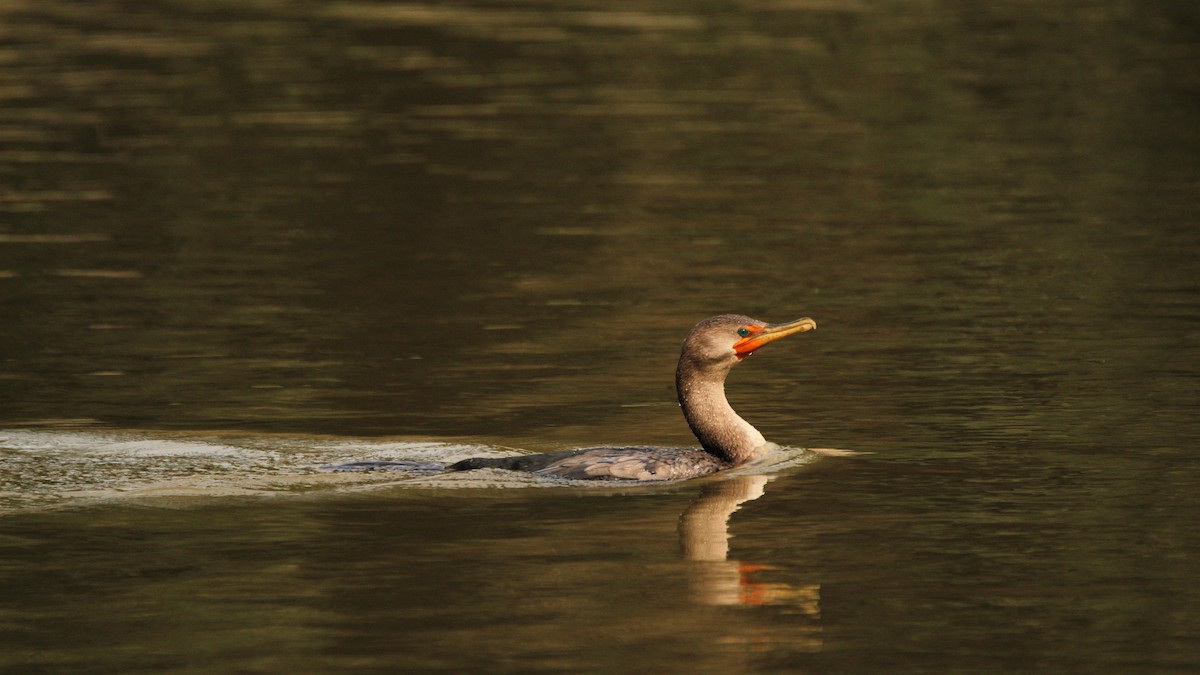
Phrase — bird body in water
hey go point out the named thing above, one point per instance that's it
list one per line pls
(710, 350)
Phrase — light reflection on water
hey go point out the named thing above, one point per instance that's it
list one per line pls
(307, 231)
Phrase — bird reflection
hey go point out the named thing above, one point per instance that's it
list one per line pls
(717, 580)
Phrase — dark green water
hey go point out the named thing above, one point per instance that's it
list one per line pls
(239, 240)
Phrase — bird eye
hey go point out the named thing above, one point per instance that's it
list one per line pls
(743, 331)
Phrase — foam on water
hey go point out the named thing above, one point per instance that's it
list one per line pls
(44, 468)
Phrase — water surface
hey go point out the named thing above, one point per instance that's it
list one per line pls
(241, 240)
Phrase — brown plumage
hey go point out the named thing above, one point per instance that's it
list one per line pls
(710, 350)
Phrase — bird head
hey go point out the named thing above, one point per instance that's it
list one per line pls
(729, 338)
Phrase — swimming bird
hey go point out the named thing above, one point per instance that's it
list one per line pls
(712, 348)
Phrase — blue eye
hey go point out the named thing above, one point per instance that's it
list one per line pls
(743, 332)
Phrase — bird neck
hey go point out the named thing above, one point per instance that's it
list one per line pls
(720, 430)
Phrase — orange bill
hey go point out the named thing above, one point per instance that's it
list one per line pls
(760, 336)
